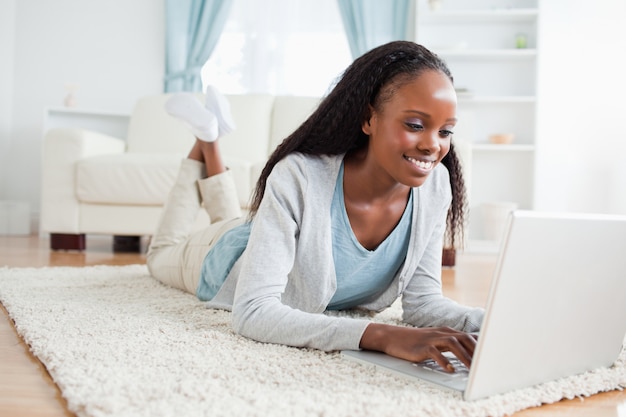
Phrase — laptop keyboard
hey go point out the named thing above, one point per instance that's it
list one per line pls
(460, 370)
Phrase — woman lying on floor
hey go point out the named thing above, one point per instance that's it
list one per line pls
(350, 211)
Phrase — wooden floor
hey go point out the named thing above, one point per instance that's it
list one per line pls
(26, 389)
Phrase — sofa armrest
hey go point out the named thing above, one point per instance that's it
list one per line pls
(62, 148)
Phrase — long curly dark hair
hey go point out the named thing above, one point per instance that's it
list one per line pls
(335, 126)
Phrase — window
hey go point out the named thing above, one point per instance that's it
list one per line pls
(280, 47)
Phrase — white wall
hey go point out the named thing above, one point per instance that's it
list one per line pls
(113, 50)
(7, 50)
(581, 106)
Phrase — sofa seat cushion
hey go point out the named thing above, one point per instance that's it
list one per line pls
(126, 179)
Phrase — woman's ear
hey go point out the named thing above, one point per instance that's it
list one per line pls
(366, 126)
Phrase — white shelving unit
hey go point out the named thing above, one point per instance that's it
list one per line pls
(491, 49)
(109, 123)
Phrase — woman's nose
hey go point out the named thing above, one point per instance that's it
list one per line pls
(429, 142)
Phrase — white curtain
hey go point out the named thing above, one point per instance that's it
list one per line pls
(279, 47)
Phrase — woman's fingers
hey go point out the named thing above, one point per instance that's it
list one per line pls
(461, 344)
(437, 355)
(468, 343)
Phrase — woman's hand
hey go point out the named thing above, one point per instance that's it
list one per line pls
(419, 344)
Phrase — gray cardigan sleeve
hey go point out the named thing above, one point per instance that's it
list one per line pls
(274, 252)
(423, 302)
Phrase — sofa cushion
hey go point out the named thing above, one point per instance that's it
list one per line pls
(152, 130)
(127, 179)
(251, 138)
(134, 179)
(288, 114)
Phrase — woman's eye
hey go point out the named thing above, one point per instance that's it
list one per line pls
(415, 126)
(446, 133)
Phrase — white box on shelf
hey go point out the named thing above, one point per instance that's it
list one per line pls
(14, 218)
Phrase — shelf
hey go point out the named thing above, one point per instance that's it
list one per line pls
(107, 122)
(469, 98)
(490, 147)
(81, 111)
(487, 53)
(481, 15)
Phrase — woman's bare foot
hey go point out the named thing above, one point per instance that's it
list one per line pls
(209, 154)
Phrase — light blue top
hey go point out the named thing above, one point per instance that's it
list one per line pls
(363, 274)
(220, 260)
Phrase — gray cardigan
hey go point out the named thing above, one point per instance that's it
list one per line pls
(285, 278)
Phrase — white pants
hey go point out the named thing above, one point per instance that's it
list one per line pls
(175, 254)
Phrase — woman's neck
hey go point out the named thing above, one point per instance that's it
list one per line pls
(367, 183)
(374, 201)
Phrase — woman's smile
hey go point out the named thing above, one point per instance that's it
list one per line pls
(421, 164)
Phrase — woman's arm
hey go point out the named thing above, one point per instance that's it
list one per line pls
(423, 302)
(285, 280)
(417, 345)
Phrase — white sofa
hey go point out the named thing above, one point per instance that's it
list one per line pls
(97, 184)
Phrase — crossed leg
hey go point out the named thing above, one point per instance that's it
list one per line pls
(176, 254)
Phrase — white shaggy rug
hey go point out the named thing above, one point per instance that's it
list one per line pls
(118, 343)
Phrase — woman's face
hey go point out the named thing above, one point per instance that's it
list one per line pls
(411, 132)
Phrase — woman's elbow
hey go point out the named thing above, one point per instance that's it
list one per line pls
(239, 319)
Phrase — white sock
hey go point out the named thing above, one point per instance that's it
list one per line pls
(217, 104)
(186, 107)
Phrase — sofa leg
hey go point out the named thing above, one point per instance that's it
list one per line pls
(62, 241)
(127, 244)
(449, 257)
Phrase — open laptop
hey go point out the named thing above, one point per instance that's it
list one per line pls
(556, 307)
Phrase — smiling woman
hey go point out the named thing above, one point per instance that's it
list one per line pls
(350, 211)
(281, 47)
